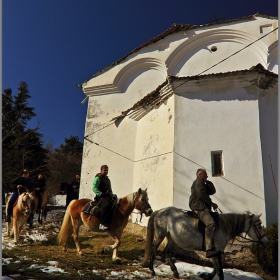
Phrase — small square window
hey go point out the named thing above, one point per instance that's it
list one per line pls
(217, 163)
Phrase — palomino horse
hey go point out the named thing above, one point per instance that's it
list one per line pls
(183, 229)
(42, 211)
(21, 212)
(74, 218)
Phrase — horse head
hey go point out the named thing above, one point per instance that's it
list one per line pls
(255, 230)
(25, 203)
(142, 202)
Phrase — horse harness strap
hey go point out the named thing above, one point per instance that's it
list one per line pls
(255, 228)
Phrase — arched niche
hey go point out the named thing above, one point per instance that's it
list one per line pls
(198, 53)
(143, 69)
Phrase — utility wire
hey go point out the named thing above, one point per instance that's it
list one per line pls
(220, 177)
(125, 156)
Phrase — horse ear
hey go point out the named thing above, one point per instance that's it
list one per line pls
(146, 189)
(139, 191)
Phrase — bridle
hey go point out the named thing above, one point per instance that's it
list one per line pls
(25, 207)
(255, 226)
(141, 208)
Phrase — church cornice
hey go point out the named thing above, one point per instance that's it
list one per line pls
(174, 29)
(256, 75)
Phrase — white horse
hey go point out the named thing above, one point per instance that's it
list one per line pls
(21, 212)
(185, 230)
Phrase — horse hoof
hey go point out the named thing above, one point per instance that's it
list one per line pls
(144, 264)
(204, 275)
(80, 253)
(153, 273)
(176, 275)
(117, 261)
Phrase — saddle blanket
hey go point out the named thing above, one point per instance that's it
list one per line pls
(92, 208)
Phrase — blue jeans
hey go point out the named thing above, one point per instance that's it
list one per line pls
(11, 202)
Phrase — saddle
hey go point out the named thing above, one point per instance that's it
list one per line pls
(198, 223)
(94, 208)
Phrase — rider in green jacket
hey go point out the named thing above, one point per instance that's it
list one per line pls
(101, 186)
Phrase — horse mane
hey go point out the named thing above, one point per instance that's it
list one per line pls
(232, 223)
(131, 197)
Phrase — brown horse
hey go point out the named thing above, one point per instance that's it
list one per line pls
(74, 218)
(21, 212)
(42, 211)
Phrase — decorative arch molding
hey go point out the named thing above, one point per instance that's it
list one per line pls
(125, 75)
(272, 59)
(137, 67)
(214, 36)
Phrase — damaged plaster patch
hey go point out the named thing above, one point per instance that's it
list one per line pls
(169, 118)
(94, 109)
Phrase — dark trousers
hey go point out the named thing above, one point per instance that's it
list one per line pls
(210, 226)
(75, 194)
(40, 199)
(11, 203)
(106, 205)
(69, 197)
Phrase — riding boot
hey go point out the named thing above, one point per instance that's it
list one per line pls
(8, 218)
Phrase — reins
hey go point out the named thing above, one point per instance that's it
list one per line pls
(252, 225)
(255, 228)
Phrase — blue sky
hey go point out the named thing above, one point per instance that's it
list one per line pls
(55, 45)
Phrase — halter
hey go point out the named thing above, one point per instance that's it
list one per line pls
(255, 228)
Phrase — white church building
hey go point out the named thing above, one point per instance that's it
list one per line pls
(195, 96)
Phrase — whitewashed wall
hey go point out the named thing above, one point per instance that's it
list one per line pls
(268, 115)
(226, 120)
(177, 125)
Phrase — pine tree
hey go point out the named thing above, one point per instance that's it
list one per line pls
(22, 147)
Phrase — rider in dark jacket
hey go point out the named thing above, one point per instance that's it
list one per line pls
(18, 186)
(201, 203)
(39, 184)
(76, 186)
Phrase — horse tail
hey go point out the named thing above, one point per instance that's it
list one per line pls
(149, 239)
(66, 228)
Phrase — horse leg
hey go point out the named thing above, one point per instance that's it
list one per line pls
(117, 238)
(168, 250)
(76, 226)
(156, 243)
(40, 216)
(8, 227)
(15, 228)
(217, 263)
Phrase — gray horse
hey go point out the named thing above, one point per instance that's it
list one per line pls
(186, 231)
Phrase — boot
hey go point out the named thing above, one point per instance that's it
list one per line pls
(8, 218)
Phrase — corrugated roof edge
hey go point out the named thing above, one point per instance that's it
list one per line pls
(175, 28)
(257, 68)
